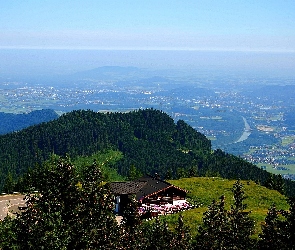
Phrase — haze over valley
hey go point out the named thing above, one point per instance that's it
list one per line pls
(243, 109)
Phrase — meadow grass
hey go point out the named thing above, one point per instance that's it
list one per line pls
(205, 189)
(105, 160)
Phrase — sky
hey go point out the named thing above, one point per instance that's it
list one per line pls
(203, 25)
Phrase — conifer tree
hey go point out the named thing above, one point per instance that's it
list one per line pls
(272, 236)
(240, 224)
(45, 223)
(227, 229)
(276, 182)
(288, 227)
(95, 224)
(157, 236)
(213, 232)
(280, 185)
(133, 173)
(9, 183)
(168, 175)
(131, 226)
(193, 171)
(182, 237)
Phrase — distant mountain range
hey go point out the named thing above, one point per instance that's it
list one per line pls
(10, 122)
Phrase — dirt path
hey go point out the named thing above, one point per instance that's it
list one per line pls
(11, 202)
(7, 201)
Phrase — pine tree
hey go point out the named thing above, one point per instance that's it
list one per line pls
(133, 173)
(45, 223)
(241, 225)
(276, 182)
(157, 236)
(131, 226)
(272, 236)
(227, 229)
(279, 184)
(9, 183)
(182, 237)
(193, 171)
(288, 227)
(213, 232)
(168, 175)
(95, 223)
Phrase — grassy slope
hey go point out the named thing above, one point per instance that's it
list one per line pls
(105, 160)
(205, 189)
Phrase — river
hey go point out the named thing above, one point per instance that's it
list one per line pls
(246, 133)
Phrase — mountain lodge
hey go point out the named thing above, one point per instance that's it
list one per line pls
(153, 194)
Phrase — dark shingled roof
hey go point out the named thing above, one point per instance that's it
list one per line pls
(129, 187)
(142, 187)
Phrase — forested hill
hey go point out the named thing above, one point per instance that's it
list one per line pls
(10, 122)
(149, 140)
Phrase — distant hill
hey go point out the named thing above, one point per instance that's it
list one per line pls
(149, 141)
(14, 122)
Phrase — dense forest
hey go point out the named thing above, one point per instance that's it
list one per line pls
(149, 141)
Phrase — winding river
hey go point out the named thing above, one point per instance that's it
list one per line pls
(246, 133)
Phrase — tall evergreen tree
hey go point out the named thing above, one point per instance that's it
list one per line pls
(288, 228)
(133, 173)
(182, 238)
(131, 226)
(95, 223)
(214, 231)
(157, 235)
(46, 221)
(9, 184)
(224, 229)
(240, 224)
(272, 236)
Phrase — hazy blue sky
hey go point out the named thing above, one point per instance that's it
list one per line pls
(239, 25)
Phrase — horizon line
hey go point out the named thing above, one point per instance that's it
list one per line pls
(147, 49)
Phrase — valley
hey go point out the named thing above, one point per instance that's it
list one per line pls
(247, 116)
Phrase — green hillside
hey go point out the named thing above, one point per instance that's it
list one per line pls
(148, 141)
(205, 189)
